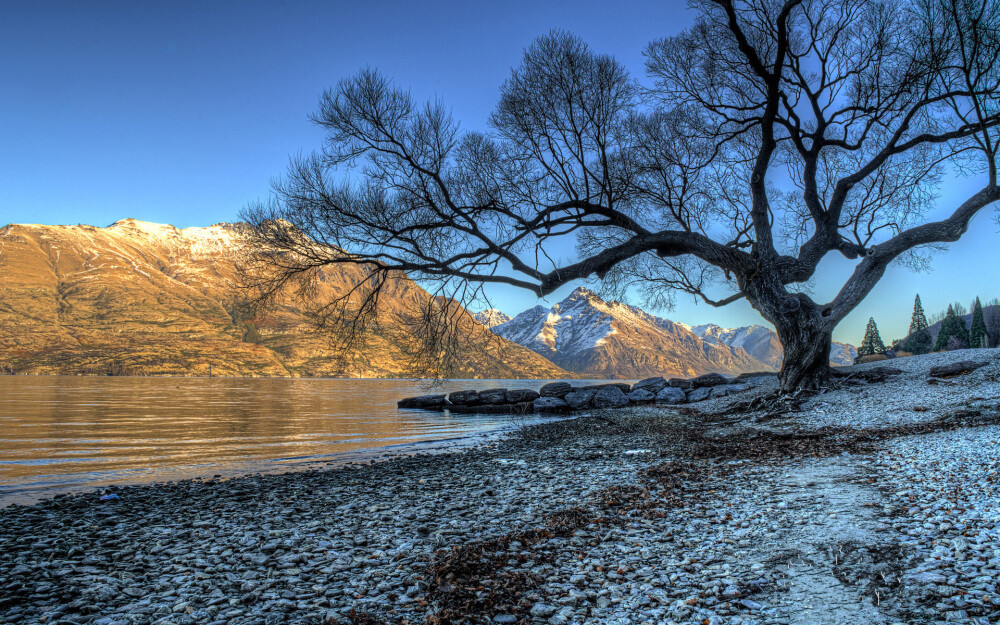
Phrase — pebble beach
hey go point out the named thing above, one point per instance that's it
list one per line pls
(873, 502)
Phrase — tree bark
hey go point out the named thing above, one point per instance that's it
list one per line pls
(807, 357)
(806, 334)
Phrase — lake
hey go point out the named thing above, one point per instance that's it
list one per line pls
(64, 434)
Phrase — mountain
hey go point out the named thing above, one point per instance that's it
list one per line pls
(491, 317)
(150, 299)
(762, 344)
(759, 342)
(587, 335)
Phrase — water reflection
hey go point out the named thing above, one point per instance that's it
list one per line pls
(60, 434)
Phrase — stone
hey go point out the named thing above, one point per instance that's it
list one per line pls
(556, 389)
(520, 395)
(709, 379)
(542, 610)
(464, 398)
(641, 396)
(493, 396)
(671, 395)
(580, 399)
(699, 394)
(550, 404)
(756, 377)
(422, 401)
(653, 385)
(680, 383)
(954, 369)
(610, 397)
(621, 386)
(878, 374)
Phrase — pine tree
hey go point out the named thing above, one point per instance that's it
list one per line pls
(978, 337)
(951, 326)
(918, 341)
(872, 343)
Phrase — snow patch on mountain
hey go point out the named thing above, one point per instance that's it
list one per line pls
(491, 317)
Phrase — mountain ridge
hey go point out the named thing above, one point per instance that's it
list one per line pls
(150, 299)
(590, 336)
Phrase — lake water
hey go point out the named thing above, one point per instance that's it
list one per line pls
(63, 434)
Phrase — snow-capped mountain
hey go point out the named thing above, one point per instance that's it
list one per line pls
(762, 344)
(491, 317)
(588, 335)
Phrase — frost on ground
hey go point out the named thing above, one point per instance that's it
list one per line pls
(855, 508)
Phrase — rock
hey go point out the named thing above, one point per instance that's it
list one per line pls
(680, 383)
(550, 404)
(464, 398)
(641, 396)
(504, 618)
(520, 395)
(699, 394)
(954, 369)
(728, 389)
(709, 379)
(423, 401)
(878, 374)
(542, 610)
(578, 400)
(493, 396)
(653, 385)
(671, 395)
(556, 389)
(610, 396)
(624, 388)
(755, 377)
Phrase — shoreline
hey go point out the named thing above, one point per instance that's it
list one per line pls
(844, 508)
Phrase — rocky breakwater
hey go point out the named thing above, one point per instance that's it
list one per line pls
(564, 397)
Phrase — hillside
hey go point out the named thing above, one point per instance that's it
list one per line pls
(148, 299)
(587, 335)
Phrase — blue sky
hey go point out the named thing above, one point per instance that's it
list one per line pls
(183, 112)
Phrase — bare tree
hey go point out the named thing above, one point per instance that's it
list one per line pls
(770, 135)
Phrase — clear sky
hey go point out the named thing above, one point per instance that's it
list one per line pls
(182, 112)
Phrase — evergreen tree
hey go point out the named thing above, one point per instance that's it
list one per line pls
(918, 341)
(978, 337)
(951, 326)
(872, 343)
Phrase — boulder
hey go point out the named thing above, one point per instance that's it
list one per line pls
(709, 379)
(550, 404)
(464, 398)
(520, 408)
(621, 386)
(521, 395)
(680, 383)
(699, 394)
(493, 396)
(580, 399)
(422, 402)
(956, 368)
(653, 385)
(671, 395)
(556, 389)
(641, 396)
(611, 396)
(754, 378)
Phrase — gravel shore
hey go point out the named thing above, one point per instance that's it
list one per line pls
(874, 502)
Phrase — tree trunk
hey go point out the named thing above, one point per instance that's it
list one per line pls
(806, 335)
(807, 357)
